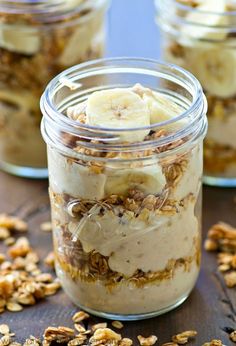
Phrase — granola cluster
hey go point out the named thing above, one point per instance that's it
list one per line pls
(22, 283)
(222, 238)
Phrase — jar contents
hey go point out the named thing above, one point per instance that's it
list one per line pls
(34, 47)
(127, 223)
(205, 45)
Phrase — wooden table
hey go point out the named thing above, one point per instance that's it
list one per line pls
(210, 309)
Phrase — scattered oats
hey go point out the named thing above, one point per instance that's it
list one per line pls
(230, 279)
(126, 342)
(13, 306)
(21, 248)
(233, 336)
(60, 334)
(4, 329)
(213, 343)
(50, 260)
(210, 245)
(105, 335)
(44, 277)
(99, 326)
(117, 324)
(46, 226)
(4, 233)
(14, 343)
(51, 288)
(9, 241)
(224, 267)
(170, 344)
(151, 340)
(183, 338)
(5, 340)
(80, 316)
(2, 258)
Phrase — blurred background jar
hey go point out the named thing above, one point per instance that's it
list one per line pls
(38, 39)
(201, 37)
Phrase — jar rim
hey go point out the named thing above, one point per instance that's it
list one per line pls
(50, 12)
(173, 11)
(198, 106)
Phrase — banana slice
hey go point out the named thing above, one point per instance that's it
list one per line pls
(216, 70)
(20, 41)
(119, 108)
(149, 180)
(206, 19)
(82, 41)
(160, 107)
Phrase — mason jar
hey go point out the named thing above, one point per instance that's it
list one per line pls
(39, 39)
(200, 36)
(125, 200)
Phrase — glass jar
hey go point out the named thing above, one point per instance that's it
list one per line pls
(39, 39)
(200, 36)
(126, 216)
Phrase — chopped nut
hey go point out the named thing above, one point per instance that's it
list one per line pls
(213, 343)
(99, 326)
(80, 316)
(151, 340)
(4, 329)
(14, 307)
(21, 248)
(210, 245)
(233, 336)
(2, 258)
(60, 334)
(4, 233)
(46, 226)
(105, 336)
(230, 279)
(126, 342)
(117, 324)
(223, 267)
(50, 259)
(9, 241)
(183, 338)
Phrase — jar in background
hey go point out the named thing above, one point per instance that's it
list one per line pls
(201, 37)
(126, 202)
(37, 41)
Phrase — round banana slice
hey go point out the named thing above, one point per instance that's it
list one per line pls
(161, 109)
(149, 180)
(216, 70)
(19, 40)
(206, 20)
(119, 108)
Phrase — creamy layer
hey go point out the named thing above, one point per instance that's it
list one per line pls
(127, 299)
(138, 243)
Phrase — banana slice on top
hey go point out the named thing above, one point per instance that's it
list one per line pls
(119, 109)
(160, 107)
(148, 179)
(216, 70)
(207, 20)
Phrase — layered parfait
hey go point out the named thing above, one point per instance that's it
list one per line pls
(37, 41)
(201, 39)
(126, 223)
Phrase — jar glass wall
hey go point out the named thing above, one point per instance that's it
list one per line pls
(200, 36)
(126, 203)
(37, 41)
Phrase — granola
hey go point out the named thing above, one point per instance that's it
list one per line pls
(222, 238)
